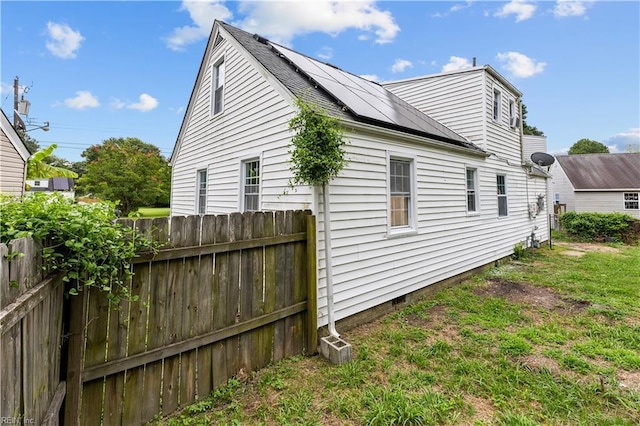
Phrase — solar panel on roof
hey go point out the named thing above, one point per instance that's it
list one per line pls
(365, 98)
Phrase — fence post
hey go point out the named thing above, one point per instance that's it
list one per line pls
(312, 293)
(75, 357)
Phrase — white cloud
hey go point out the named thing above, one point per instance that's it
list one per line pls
(520, 8)
(282, 21)
(566, 8)
(84, 99)
(621, 141)
(370, 77)
(202, 14)
(63, 41)
(325, 53)
(400, 65)
(520, 65)
(453, 9)
(146, 103)
(456, 63)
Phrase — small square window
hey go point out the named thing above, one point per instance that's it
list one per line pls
(631, 201)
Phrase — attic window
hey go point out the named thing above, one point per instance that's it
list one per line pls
(218, 40)
(497, 101)
(217, 87)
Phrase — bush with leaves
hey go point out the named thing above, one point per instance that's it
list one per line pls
(598, 226)
(82, 240)
(318, 146)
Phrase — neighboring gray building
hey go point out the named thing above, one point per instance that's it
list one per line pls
(598, 182)
(13, 159)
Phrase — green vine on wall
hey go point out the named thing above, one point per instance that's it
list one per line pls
(317, 154)
(81, 240)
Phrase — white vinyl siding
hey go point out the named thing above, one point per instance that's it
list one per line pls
(370, 265)
(631, 201)
(251, 185)
(503, 205)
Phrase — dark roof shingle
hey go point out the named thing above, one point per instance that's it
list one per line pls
(602, 171)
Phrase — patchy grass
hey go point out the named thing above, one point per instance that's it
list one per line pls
(153, 212)
(549, 340)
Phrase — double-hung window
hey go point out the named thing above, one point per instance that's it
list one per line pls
(631, 201)
(400, 192)
(201, 194)
(217, 83)
(513, 115)
(501, 182)
(497, 102)
(472, 191)
(251, 185)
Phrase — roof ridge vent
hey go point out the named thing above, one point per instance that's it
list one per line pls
(260, 39)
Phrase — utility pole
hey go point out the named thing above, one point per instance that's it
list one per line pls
(15, 102)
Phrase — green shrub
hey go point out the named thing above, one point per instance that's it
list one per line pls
(598, 226)
(82, 240)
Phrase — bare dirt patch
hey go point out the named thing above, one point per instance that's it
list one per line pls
(579, 249)
(629, 380)
(537, 362)
(523, 293)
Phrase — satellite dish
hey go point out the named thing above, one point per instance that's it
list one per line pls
(19, 124)
(542, 159)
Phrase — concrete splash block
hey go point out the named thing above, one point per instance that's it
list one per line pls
(335, 350)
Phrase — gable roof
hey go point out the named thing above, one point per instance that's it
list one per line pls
(602, 171)
(13, 137)
(323, 84)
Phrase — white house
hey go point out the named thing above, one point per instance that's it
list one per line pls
(13, 159)
(602, 183)
(418, 202)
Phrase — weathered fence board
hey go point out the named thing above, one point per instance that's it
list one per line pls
(30, 336)
(228, 295)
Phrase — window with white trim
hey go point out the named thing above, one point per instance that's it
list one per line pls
(251, 185)
(497, 103)
(400, 193)
(513, 115)
(631, 201)
(217, 87)
(472, 190)
(201, 194)
(501, 183)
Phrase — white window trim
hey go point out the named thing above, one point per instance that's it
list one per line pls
(505, 195)
(199, 169)
(412, 227)
(218, 59)
(497, 93)
(625, 201)
(476, 192)
(243, 160)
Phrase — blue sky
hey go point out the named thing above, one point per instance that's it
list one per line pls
(96, 70)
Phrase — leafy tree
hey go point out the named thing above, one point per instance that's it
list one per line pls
(37, 166)
(128, 171)
(526, 128)
(32, 144)
(588, 146)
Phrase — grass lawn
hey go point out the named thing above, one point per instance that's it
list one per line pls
(549, 340)
(153, 211)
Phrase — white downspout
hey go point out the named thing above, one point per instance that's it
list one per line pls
(327, 259)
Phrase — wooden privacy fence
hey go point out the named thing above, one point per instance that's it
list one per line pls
(232, 294)
(30, 337)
